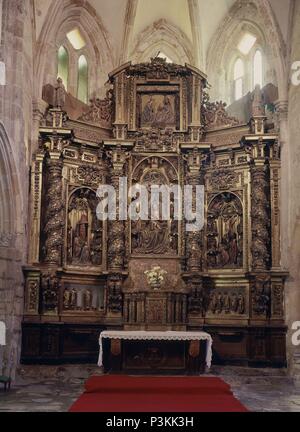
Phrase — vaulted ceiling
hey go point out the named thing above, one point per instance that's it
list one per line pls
(126, 20)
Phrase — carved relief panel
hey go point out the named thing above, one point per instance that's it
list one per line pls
(155, 236)
(225, 232)
(82, 298)
(228, 302)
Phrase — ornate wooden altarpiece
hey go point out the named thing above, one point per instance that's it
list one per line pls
(156, 124)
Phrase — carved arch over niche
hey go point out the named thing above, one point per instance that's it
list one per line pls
(225, 232)
(84, 230)
(259, 15)
(155, 237)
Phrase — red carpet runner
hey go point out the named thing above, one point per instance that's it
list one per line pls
(121, 393)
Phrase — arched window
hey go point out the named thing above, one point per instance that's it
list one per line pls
(257, 69)
(238, 76)
(63, 65)
(82, 87)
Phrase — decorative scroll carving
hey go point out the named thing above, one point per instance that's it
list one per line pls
(228, 302)
(261, 295)
(53, 228)
(224, 179)
(225, 232)
(158, 69)
(277, 300)
(214, 114)
(260, 219)
(84, 247)
(88, 175)
(50, 289)
(32, 288)
(101, 111)
(155, 139)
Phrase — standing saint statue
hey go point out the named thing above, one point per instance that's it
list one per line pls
(59, 94)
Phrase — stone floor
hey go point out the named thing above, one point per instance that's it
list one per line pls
(54, 389)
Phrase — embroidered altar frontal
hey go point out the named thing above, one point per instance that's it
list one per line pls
(158, 126)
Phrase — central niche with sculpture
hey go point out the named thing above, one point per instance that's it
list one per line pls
(84, 240)
(155, 236)
(156, 126)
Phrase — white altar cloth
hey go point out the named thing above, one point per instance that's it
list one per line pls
(157, 335)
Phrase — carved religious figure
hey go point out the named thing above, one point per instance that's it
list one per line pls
(158, 110)
(225, 232)
(60, 94)
(84, 232)
(155, 236)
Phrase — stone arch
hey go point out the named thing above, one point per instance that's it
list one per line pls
(257, 15)
(9, 191)
(64, 16)
(161, 35)
(11, 255)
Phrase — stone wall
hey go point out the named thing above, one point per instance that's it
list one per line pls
(291, 225)
(15, 153)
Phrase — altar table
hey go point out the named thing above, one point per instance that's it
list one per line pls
(188, 352)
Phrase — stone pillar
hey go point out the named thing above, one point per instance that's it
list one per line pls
(54, 215)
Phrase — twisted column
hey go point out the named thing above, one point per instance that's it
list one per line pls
(54, 216)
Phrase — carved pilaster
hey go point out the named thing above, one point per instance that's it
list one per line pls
(116, 229)
(195, 126)
(32, 291)
(120, 125)
(260, 217)
(54, 215)
(50, 285)
(195, 304)
(261, 297)
(275, 173)
(193, 239)
(114, 294)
